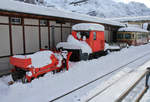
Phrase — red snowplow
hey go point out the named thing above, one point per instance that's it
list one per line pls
(28, 67)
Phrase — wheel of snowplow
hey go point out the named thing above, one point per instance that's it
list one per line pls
(108, 51)
(14, 76)
(24, 79)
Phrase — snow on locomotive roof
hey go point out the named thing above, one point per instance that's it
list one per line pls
(88, 27)
(131, 29)
(16, 6)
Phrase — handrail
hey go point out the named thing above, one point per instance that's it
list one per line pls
(147, 74)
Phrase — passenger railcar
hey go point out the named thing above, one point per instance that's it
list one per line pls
(132, 36)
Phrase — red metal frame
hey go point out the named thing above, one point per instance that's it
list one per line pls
(133, 42)
(24, 63)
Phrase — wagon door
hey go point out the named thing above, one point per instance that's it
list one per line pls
(145, 36)
(96, 42)
(139, 38)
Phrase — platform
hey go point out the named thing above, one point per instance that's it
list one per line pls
(5, 67)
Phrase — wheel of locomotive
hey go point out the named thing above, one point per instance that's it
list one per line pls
(108, 51)
(24, 79)
(90, 57)
(14, 76)
(127, 46)
(97, 55)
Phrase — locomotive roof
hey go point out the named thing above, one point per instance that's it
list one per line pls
(88, 27)
(20, 7)
(132, 29)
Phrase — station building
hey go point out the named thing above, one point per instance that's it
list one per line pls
(27, 28)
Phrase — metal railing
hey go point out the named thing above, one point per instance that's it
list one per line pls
(146, 75)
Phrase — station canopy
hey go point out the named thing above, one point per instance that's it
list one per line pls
(21, 7)
(131, 19)
(132, 29)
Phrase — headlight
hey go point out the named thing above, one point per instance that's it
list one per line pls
(29, 73)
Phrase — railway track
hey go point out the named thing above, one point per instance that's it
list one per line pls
(100, 77)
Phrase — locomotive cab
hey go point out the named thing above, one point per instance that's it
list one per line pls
(85, 42)
(95, 39)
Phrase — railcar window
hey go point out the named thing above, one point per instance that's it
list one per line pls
(94, 36)
(127, 36)
(139, 36)
(120, 36)
(144, 35)
(84, 33)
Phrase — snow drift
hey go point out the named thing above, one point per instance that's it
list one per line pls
(38, 59)
(72, 43)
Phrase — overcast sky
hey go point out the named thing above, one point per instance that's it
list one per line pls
(146, 2)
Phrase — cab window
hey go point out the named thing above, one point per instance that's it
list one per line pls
(83, 33)
(94, 36)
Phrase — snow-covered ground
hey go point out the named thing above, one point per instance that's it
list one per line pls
(118, 85)
(50, 86)
(146, 97)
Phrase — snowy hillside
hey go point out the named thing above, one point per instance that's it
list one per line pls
(101, 8)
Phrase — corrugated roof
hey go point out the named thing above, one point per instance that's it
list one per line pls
(132, 29)
(16, 6)
(125, 19)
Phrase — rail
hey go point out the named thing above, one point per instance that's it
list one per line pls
(88, 83)
(147, 75)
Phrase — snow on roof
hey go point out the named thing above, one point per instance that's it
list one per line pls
(88, 27)
(16, 6)
(138, 18)
(132, 29)
(134, 25)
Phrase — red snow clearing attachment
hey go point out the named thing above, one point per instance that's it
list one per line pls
(25, 65)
